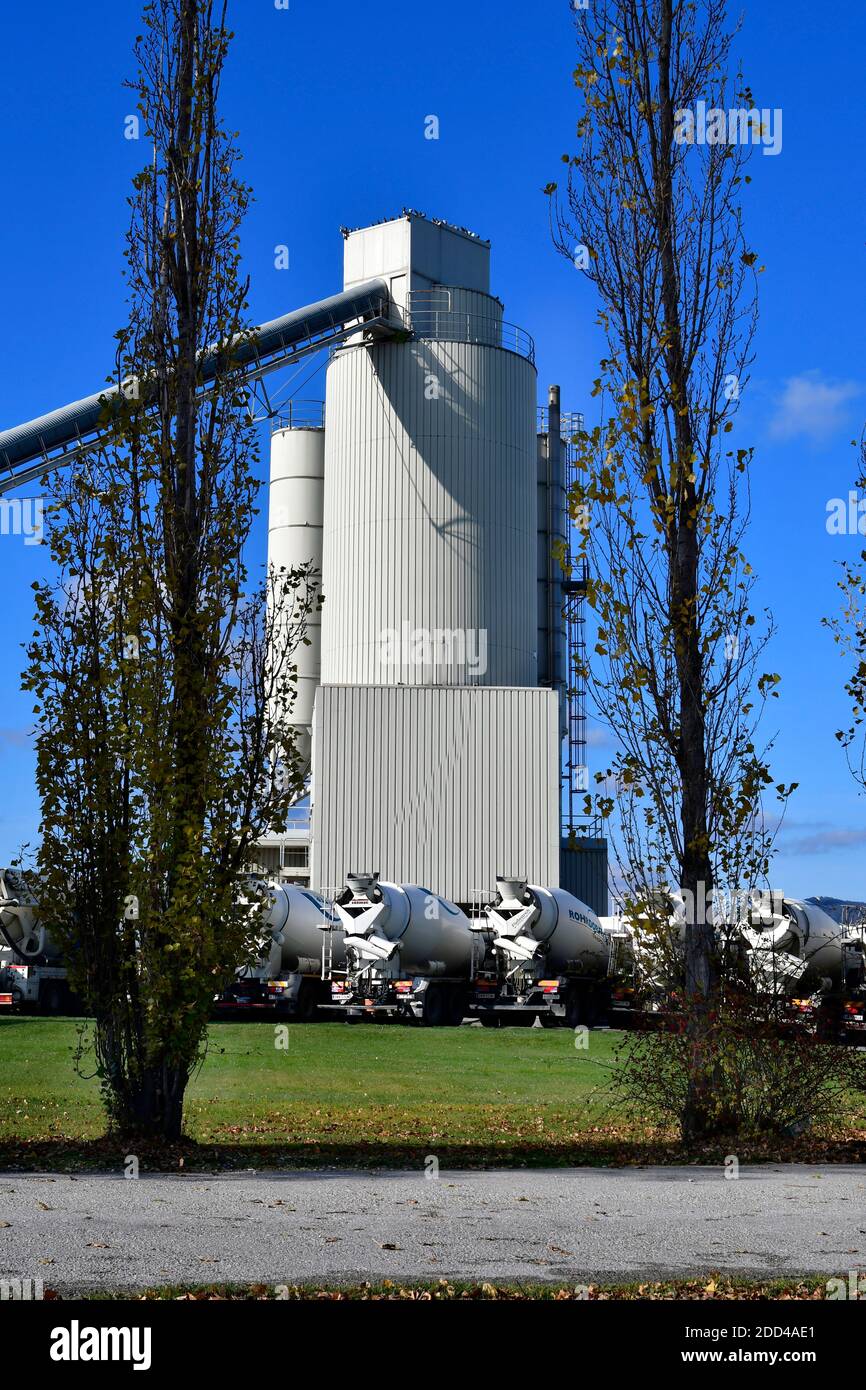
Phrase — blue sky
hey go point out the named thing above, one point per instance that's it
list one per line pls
(329, 98)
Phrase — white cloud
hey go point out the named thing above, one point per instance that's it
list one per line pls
(19, 738)
(597, 736)
(812, 408)
(823, 840)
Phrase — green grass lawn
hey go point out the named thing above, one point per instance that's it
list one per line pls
(335, 1086)
(362, 1095)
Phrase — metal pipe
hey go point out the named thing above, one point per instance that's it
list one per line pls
(67, 426)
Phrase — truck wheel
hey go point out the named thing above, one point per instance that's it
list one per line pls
(489, 1019)
(307, 1007)
(574, 1008)
(436, 1012)
(458, 1006)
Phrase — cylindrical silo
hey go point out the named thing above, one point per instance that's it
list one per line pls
(430, 504)
(295, 539)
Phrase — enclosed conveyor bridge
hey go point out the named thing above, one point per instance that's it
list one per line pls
(55, 439)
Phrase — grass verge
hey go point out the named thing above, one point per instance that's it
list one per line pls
(363, 1096)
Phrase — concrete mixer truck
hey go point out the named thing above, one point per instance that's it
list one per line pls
(813, 955)
(301, 947)
(558, 961)
(410, 954)
(32, 973)
(298, 932)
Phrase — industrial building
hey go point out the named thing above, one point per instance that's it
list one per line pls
(437, 700)
(438, 704)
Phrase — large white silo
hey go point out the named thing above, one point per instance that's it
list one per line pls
(434, 750)
(295, 519)
(430, 502)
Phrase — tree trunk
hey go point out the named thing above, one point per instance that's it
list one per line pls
(155, 1104)
(701, 975)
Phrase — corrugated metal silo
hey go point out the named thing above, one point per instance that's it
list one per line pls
(431, 508)
(436, 755)
(295, 519)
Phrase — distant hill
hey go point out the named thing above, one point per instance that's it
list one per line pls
(836, 907)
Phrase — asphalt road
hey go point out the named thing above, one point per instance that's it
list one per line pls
(570, 1225)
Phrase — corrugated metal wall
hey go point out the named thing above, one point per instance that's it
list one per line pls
(430, 512)
(584, 873)
(441, 787)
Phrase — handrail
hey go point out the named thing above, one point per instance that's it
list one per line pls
(571, 422)
(457, 326)
(299, 415)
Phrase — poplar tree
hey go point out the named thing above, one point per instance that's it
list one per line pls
(656, 224)
(164, 680)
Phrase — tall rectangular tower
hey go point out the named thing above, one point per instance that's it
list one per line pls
(434, 748)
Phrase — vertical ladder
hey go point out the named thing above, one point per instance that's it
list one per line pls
(327, 955)
(328, 895)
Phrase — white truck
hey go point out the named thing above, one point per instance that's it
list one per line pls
(32, 974)
(558, 961)
(812, 954)
(409, 953)
(287, 979)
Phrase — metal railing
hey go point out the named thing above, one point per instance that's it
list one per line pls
(454, 326)
(431, 314)
(571, 422)
(299, 415)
